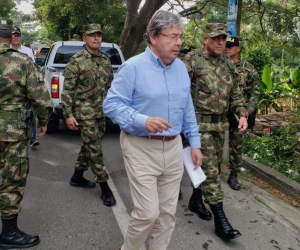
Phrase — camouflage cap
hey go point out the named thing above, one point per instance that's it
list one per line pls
(5, 23)
(91, 28)
(216, 29)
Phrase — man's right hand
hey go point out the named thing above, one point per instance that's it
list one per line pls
(43, 130)
(71, 123)
(157, 125)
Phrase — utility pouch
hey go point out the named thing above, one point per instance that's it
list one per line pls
(30, 118)
(22, 119)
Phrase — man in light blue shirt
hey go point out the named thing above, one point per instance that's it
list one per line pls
(150, 100)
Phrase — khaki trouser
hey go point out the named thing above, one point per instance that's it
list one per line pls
(154, 170)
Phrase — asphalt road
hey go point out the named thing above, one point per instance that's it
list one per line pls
(67, 217)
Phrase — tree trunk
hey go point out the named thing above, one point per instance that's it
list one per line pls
(131, 12)
(136, 24)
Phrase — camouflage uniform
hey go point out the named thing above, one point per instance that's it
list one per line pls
(216, 93)
(87, 79)
(21, 86)
(249, 86)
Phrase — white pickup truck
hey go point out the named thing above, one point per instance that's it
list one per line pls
(54, 65)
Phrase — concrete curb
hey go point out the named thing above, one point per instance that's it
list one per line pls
(272, 177)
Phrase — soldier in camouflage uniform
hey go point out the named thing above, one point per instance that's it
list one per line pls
(88, 76)
(214, 90)
(249, 85)
(21, 86)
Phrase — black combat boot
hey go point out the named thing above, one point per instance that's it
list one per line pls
(78, 180)
(197, 206)
(13, 237)
(233, 181)
(107, 195)
(223, 228)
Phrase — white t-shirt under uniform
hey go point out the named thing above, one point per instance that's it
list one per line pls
(27, 51)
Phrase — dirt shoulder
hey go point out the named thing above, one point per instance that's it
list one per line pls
(246, 175)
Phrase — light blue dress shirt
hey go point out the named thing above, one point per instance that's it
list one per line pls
(143, 87)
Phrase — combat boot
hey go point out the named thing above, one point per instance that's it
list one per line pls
(223, 228)
(78, 180)
(13, 237)
(233, 181)
(107, 195)
(197, 206)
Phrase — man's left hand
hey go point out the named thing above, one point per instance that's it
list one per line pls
(197, 157)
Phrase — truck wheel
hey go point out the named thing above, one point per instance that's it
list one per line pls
(53, 125)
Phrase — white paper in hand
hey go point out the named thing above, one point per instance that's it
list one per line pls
(197, 176)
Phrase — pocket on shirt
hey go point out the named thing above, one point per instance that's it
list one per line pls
(181, 98)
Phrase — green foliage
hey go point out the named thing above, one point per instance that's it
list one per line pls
(259, 57)
(43, 37)
(193, 34)
(277, 151)
(6, 7)
(289, 59)
(65, 18)
(277, 82)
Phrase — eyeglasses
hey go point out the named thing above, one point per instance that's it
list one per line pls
(16, 35)
(173, 37)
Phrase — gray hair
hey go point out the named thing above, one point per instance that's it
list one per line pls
(161, 20)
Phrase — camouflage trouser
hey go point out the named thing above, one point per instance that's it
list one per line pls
(14, 167)
(90, 154)
(212, 150)
(235, 149)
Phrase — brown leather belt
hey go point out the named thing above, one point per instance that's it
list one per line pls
(160, 138)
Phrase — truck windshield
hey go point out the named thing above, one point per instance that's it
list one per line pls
(64, 53)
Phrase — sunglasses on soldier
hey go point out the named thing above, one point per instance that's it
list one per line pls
(16, 34)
